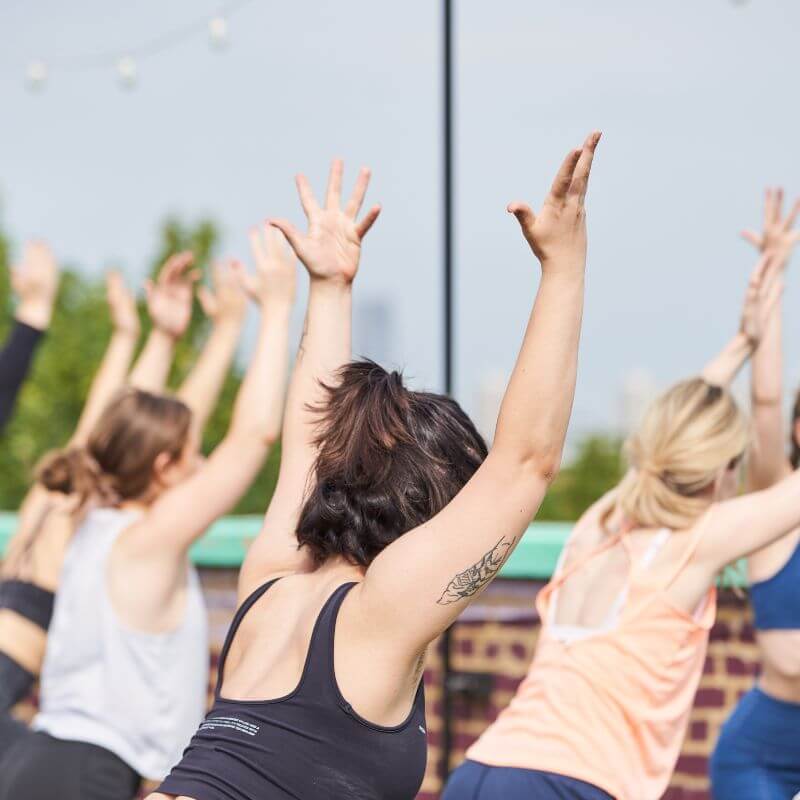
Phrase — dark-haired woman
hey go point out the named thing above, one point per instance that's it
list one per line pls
(388, 519)
(758, 752)
(35, 282)
(29, 574)
(124, 676)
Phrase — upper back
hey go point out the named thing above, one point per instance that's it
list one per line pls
(137, 694)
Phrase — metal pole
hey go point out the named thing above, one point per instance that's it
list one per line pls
(447, 31)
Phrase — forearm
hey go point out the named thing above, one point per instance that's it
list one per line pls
(725, 366)
(767, 463)
(258, 410)
(537, 405)
(201, 389)
(15, 362)
(324, 349)
(110, 377)
(152, 367)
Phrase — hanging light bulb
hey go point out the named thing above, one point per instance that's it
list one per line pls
(127, 72)
(218, 32)
(36, 75)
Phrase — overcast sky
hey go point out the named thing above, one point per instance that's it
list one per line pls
(697, 102)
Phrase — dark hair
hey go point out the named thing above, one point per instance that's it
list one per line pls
(794, 457)
(389, 459)
(117, 461)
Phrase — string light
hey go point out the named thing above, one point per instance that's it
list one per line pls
(126, 63)
(36, 75)
(127, 72)
(218, 32)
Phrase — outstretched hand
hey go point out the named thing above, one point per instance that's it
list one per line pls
(276, 272)
(121, 305)
(761, 298)
(557, 234)
(169, 298)
(778, 235)
(35, 282)
(331, 248)
(226, 300)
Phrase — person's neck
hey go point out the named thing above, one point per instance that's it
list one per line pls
(341, 569)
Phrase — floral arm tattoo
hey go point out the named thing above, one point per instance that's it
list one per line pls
(473, 579)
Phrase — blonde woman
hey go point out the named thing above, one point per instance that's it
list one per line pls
(758, 752)
(625, 619)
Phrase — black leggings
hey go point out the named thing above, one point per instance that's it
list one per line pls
(35, 766)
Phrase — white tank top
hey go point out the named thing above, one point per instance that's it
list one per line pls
(139, 695)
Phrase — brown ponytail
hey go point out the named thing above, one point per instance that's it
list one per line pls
(117, 462)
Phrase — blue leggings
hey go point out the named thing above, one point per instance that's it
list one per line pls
(758, 752)
(474, 781)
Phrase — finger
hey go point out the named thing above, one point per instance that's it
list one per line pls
(754, 238)
(523, 212)
(207, 300)
(257, 245)
(218, 269)
(334, 193)
(580, 178)
(293, 236)
(359, 192)
(777, 209)
(768, 207)
(791, 217)
(246, 281)
(558, 191)
(307, 199)
(149, 289)
(368, 221)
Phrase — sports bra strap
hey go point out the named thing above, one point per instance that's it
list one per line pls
(249, 602)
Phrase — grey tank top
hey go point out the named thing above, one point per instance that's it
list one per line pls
(139, 695)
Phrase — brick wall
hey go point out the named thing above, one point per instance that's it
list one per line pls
(497, 635)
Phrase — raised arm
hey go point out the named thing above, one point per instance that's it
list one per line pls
(35, 282)
(421, 582)
(225, 306)
(113, 370)
(184, 512)
(330, 251)
(767, 462)
(169, 303)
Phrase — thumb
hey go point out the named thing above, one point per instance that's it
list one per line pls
(293, 236)
(753, 238)
(207, 300)
(524, 214)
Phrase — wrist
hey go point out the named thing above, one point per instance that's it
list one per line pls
(163, 336)
(127, 333)
(335, 285)
(35, 313)
(227, 325)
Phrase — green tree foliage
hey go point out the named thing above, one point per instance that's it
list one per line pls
(52, 398)
(597, 467)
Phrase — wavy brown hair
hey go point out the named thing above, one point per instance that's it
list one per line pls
(389, 459)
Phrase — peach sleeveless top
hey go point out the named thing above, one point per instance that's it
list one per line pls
(608, 706)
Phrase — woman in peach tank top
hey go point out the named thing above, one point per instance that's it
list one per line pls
(625, 620)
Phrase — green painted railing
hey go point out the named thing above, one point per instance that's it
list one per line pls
(226, 542)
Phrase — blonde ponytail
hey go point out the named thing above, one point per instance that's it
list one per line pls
(687, 437)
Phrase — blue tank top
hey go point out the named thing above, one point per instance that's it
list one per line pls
(307, 745)
(776, 601)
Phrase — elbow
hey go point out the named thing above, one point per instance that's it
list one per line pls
(538, 466)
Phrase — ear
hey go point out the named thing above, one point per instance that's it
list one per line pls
(161, 464)
(796, 432)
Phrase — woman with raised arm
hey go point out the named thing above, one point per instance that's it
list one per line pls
(758, 752)
(386, 522)
(625, 619)
(125, 670)
(35, 282)
(29, 574)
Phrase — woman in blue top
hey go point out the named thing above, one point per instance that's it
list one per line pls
(758, 753)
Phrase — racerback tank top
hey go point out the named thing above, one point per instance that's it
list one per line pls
(139, 695)
(307, 745)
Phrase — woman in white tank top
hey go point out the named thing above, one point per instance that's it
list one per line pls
(125, 670)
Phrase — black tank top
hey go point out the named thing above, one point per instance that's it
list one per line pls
(307, 745)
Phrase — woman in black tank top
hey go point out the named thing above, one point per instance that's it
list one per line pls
(386, 522)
